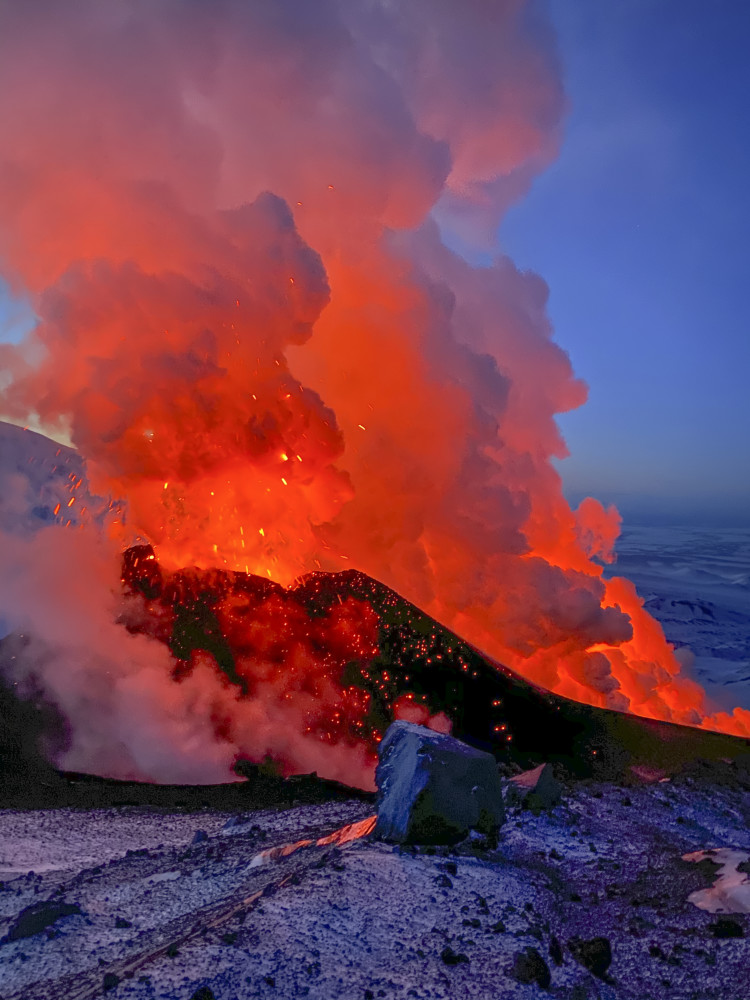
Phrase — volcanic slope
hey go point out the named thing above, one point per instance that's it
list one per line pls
(416, 663)
(376, 654)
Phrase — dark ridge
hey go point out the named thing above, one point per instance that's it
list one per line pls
(256, 790)
(490, 706)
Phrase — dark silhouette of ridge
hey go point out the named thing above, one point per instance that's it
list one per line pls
(490, 706)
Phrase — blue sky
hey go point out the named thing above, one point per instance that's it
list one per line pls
(16, 318)
(640, 229)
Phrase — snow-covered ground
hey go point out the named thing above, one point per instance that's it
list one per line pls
(156, 913)
(696, 582)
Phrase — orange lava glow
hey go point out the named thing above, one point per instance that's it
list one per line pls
(344, 835)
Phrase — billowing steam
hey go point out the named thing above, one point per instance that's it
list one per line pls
(228, 219)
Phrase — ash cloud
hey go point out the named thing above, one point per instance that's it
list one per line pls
(226, 218)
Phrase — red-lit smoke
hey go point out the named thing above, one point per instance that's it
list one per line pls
(227, 218)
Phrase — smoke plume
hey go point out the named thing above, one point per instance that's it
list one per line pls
(232, 222)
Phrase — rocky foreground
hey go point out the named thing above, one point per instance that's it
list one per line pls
(587, 899)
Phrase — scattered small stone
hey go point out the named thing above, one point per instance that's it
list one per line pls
(708, 868)
(121, 923)
(37, 917)
(725, 927)
(449, 866)
(203, 993)
(444, 882)
(110, 981)
(555, 950)
(450, 957)
(529, 967)
(172, 951)
(269, 980)
(535, 789)
(594, 954)
(199, 837)
(498, 927)
(472, 922)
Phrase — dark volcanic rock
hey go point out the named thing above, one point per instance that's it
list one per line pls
(529, 967)
(433, 789)
(537, 789)
(451, 957)
(725, 927)
(555, 950)
(110, 981)
(30, 728)
(594, 954)
(489, 705)
(204, 993)
(35, 918)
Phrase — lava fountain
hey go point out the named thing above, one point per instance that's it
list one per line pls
(233, 222)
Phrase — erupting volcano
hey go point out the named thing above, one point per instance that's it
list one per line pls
(236, 223)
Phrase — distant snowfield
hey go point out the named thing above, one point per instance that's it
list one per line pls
(696, 583)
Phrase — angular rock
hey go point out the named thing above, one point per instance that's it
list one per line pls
(199, 837)
(451, 957)
(433, 789)
(555, 950)
(537, 789)
(529, 967)
(594, 954)
(205, 993)
(37, 917)
(726, 927)
(110, 982)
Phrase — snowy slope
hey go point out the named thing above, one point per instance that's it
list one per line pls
(156, 913)
(38, 474)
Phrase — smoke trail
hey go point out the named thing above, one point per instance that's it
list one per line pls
(226, 217)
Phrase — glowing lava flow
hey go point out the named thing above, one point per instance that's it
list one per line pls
(339, 838)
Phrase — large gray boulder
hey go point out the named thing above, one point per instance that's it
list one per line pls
(433, 789)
